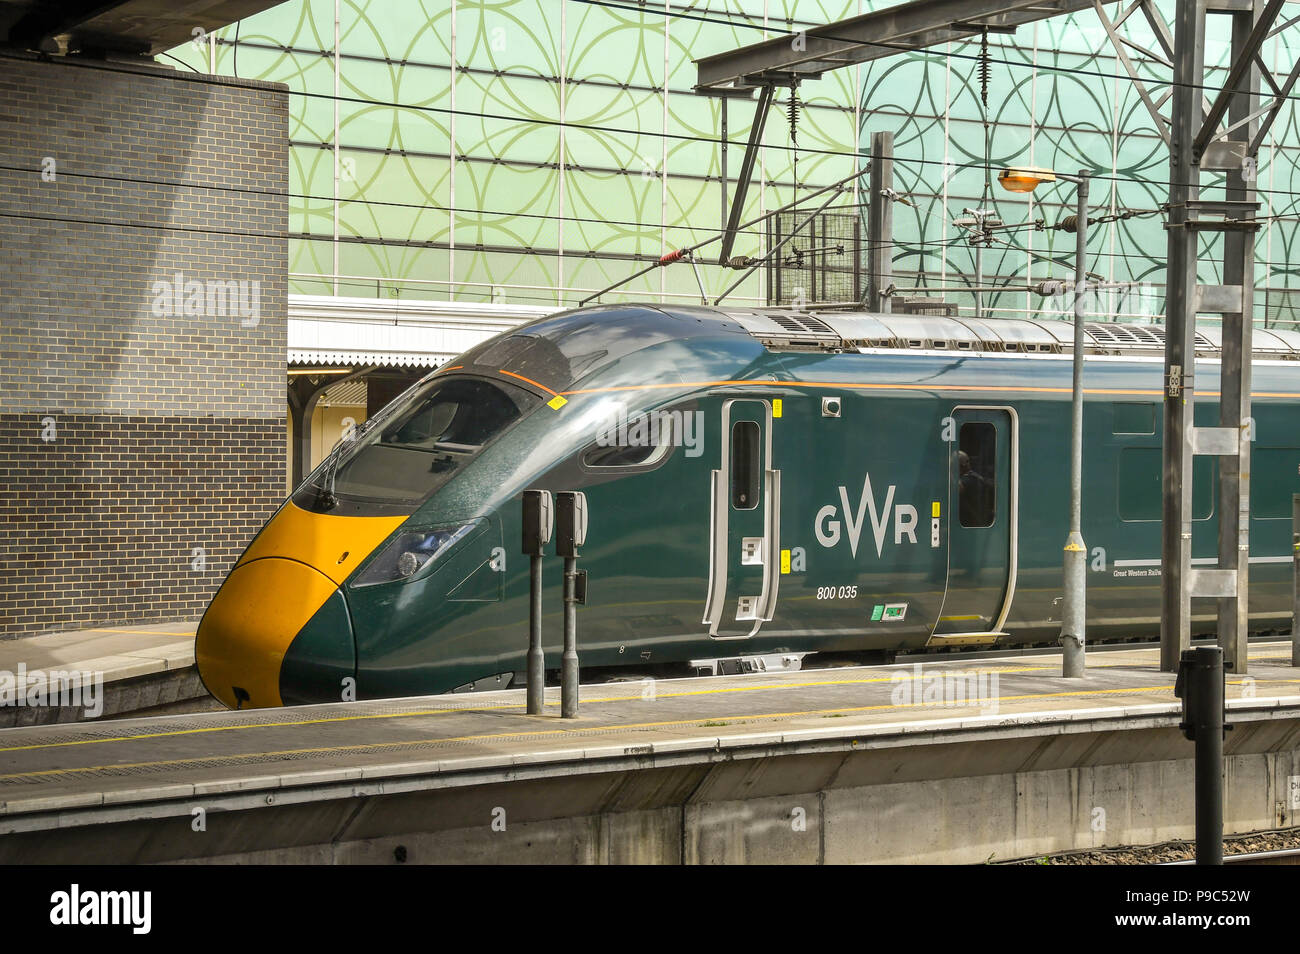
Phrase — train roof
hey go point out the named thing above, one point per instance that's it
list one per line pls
(555, 352)
(816, 330)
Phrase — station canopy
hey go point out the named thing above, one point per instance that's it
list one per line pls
(140, 27)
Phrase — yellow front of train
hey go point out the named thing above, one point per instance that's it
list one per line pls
(286, 587)
(282, 628)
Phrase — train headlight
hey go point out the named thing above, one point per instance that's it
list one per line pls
(409, 553)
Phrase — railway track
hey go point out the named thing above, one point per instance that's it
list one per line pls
(1261, 848)
(1114, 645)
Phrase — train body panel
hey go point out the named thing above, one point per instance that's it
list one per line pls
(744, 499)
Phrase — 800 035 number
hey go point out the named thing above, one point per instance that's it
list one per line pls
(837, 592)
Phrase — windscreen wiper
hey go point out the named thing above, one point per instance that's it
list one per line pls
(328, 498)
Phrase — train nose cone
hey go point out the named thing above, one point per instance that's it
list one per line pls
(247, 631)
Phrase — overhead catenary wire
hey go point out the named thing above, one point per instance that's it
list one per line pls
(902, 48)
(234, 232)
(665, 134)
(692, 228)
(1099, 218)
(671, 257)
(685, 137)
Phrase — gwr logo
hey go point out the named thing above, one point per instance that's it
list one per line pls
(827, 526)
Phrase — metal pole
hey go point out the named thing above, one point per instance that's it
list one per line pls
(1073, 613)
(722, 220)
(1295, 592)
(880, 221)
(569, 670)
(765, 96)
(1234, 362)
(1180, 332)
(979, 276)
(536, 658)
(1201, 682)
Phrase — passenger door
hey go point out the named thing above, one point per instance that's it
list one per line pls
(744, 523)
(982, 525)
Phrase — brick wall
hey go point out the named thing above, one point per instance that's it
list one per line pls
(143, 263)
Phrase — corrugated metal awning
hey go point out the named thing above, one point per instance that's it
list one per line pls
(311, 357)
(346, 394)
(360, 332)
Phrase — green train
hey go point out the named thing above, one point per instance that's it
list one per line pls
(762, 484)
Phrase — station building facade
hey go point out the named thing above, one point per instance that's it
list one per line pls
(142, 336)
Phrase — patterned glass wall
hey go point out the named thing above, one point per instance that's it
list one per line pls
(580, 151)
(534, 150)
(1059, 98)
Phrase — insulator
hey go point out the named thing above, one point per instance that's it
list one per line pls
(1069, 224)
(792, 111)
(671, 257)
(1051, 288)
(741, 261)
(985, 68)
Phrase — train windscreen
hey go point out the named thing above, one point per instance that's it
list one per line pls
(410, 450)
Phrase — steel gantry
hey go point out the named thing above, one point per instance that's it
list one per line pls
(787, 61)
(1221, 135)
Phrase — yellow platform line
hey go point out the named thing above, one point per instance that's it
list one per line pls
(575, 731)
(324, 720)
(143, 632)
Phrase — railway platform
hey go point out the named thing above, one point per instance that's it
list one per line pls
(943, 760)
(129, 668)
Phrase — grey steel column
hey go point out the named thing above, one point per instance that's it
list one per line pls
(536, 527)
(880, 222)
(569, 666)
(536, 657)
(722, 104)
(1073, 611)
(1295, 592)
(1180, 332)
(746, 173)
(1234, 388)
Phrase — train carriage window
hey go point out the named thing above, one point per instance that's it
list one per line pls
(1138, 492)
(1274, 477)
(977, 474)
(1134, 419)
(746, 465)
